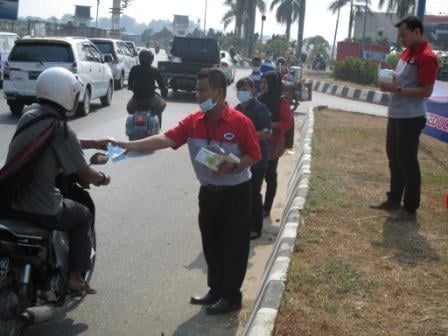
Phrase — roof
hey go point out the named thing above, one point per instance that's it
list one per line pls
(181, 19)
(435, 19)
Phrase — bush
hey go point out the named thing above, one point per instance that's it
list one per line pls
(355, 70)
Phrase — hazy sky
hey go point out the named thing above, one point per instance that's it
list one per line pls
(318, 21)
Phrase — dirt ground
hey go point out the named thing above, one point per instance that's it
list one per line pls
(355, 270)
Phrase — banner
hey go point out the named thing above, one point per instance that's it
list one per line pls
(437, 107)
(9, 9)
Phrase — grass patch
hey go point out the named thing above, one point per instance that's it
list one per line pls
(356, 271)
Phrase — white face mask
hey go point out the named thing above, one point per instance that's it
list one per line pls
(243, 96)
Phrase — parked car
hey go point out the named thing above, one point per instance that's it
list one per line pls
(30, 56)
(227, 66)
(7, 41)
(122, 58)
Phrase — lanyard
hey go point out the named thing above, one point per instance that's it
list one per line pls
(207, 134)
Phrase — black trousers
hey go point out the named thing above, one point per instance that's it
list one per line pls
(257, 199)
(224, 221)
(76, 219)
(402, 151)
(271, 184)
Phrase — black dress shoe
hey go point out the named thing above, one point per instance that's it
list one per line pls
(207, 299)
(223, 306)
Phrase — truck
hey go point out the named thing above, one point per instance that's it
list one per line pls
(188, 56)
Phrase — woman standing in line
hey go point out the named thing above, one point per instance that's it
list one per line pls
(271, 95)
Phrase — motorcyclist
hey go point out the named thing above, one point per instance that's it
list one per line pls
(40, 201)
(157, 47)
(141, 82)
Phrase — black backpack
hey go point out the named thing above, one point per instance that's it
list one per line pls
(16, 172)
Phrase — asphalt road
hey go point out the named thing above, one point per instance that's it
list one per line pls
(149, 259)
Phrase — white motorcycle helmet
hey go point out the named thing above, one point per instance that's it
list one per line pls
(59, 86)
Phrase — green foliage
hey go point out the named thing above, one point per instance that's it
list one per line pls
(355, 70)
(230, 40)
(278, 46)
(392, 60)
(315, 45)
(164, 34)
(147, 35)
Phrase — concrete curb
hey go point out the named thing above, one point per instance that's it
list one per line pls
(374, 97)
(264, 313)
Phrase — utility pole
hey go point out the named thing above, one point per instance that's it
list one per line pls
(365, 23)
(421, 9)
(97, 6)
(335, 33)
(205, 18)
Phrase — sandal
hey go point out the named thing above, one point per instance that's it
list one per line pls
(80, 288)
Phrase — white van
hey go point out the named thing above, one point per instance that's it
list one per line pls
(7, 41)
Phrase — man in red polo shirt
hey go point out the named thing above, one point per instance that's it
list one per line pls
(412, 85)
(225, 194)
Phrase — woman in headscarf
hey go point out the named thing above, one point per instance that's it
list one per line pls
(271, 87)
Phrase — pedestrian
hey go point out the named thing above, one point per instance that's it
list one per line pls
(224, 195)
(256, 72)
(259, 114)
(268, 62)
(412, 84)
(281, 117)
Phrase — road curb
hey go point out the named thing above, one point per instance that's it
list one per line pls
(374, 97)
(264, 313)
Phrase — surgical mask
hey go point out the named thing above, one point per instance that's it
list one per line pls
(243, 96)
(207, 105)
(256, 69)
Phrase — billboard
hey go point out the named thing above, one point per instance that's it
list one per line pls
(9, 9)
(437, 107)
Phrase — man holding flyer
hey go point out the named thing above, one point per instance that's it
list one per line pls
(225, 194)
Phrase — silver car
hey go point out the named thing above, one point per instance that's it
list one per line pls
(123, 58)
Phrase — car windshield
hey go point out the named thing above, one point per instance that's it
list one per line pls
(104, 47)
(42, 52)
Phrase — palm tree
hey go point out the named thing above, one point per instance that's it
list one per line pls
(302, 5)
(287, 12)
(356, 6)
(235, 13)
(401, 7)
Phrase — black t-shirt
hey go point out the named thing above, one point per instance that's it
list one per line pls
(142, 79)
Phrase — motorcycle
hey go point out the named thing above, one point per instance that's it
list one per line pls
(33, 264)
(142, 123)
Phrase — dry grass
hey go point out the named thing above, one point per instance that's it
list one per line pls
(355, 271)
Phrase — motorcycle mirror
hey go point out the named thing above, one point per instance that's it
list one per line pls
(99, 159)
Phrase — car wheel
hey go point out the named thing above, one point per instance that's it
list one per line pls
(84, 107)
(16, 108)
(107, 99)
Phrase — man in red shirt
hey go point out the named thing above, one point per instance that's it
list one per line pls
(225, 194)
(411, 86)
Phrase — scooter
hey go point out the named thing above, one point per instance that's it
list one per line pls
(142, 123)
(34, 264)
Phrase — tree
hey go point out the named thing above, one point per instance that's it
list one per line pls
(287, 12)
(164, 34)
(401, 7)
(147, 35)
(277, 45)
(301, 27)
(317, 44)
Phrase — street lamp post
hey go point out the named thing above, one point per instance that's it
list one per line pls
(263, 19)
(365, 23)
(335, 33)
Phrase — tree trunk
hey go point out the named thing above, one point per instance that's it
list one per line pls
(288, 30)
(350, 22)
(301, 27)
(250, 26)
